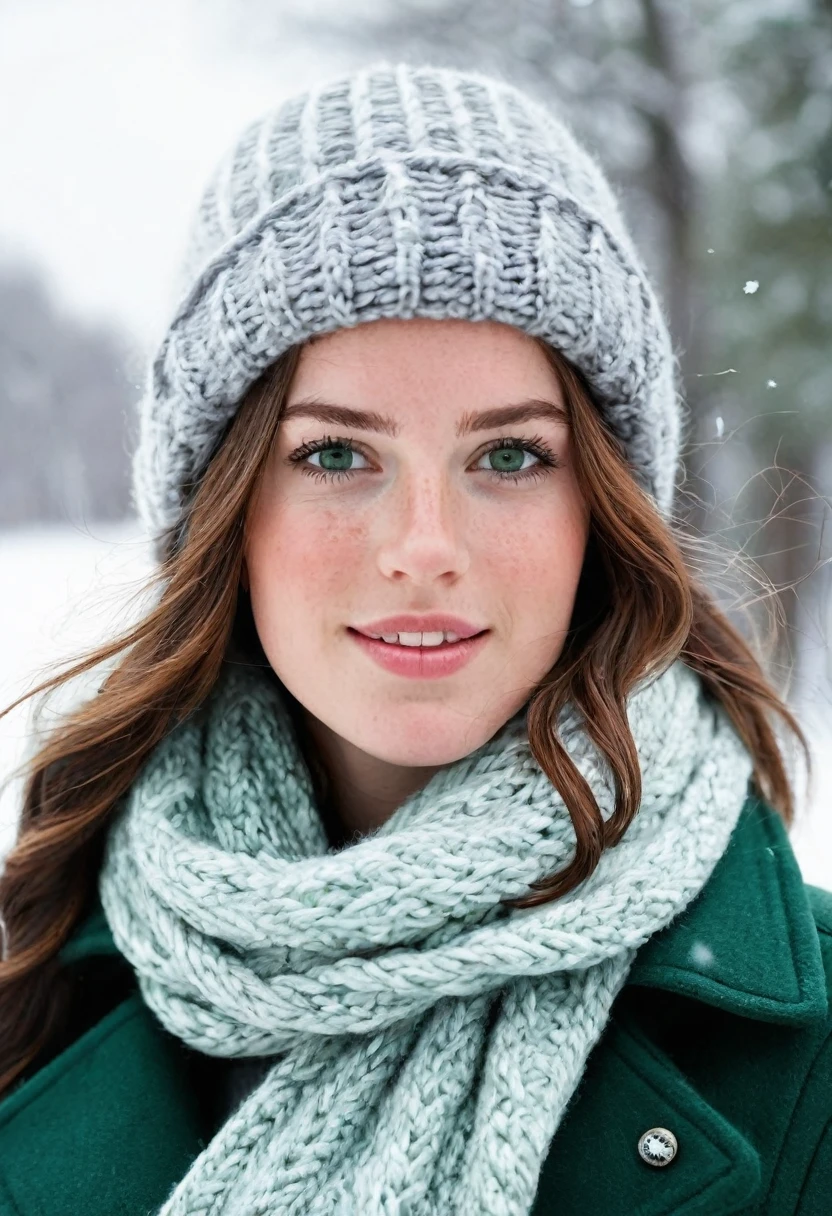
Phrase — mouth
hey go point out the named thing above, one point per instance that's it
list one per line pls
(420, 661)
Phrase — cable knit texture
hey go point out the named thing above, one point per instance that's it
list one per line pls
(403, 191)
(425, 1039)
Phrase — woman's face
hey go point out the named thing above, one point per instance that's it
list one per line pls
(441, 511)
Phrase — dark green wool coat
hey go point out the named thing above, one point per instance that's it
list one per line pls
(722, 1034)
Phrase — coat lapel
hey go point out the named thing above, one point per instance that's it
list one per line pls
(746, 945)
(105, 1127)
(594, 1166)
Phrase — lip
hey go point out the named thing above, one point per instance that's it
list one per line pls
(420, 662)
(409, 622)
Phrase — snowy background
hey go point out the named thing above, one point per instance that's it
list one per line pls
(714, 122)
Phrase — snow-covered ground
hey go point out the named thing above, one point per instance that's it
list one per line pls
(65, 590)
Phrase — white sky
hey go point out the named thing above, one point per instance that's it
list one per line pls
(111, 118)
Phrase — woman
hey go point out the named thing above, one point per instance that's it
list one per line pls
(425, 848)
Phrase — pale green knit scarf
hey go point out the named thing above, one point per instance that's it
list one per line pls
(426, 1039)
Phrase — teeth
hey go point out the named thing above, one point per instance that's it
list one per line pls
(417, 639)
(421, 639)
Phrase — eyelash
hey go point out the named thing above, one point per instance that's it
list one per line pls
(537, 446)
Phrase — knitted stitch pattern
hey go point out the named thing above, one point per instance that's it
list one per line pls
(403, 191)
(425, 1038)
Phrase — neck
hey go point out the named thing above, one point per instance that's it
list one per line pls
(360, 792)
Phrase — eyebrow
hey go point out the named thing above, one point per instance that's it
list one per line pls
(371, 420)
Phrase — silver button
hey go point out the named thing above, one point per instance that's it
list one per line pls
(658, 1146)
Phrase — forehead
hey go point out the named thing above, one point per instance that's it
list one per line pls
(463, 363)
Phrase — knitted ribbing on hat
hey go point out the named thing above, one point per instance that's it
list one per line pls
(402, 191)
(425, 1038)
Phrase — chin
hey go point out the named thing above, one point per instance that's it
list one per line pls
(424, 743)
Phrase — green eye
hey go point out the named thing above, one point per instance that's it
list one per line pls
(508, 459)
(336, 458)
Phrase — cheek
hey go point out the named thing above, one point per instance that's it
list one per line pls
(538, 556)
(297, 565)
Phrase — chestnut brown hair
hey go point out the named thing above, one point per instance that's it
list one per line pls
(639, 606)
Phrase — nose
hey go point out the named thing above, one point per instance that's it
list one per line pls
(425, 533)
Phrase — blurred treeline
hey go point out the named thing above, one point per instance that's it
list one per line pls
(66, 409)
(713, 119)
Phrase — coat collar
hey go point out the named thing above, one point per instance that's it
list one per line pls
(747, 943)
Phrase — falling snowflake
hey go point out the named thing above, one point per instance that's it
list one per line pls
(750, 287)
(771, 384)
(720, 428)
(701, 954)
(710, 251)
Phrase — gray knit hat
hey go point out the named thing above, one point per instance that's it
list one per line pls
(403, 190)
